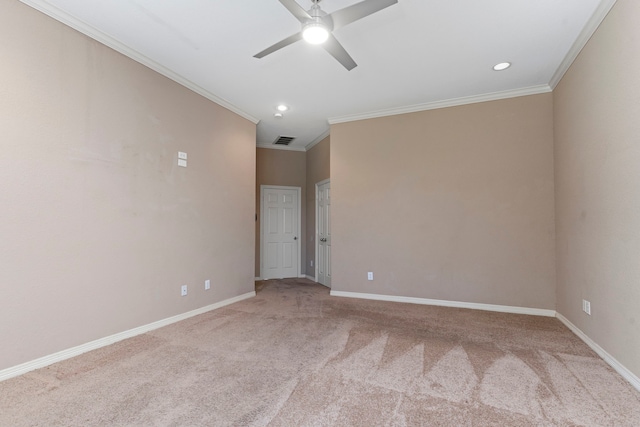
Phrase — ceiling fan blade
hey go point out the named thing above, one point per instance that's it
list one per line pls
(349, 14)
(282, 43)
(333, 46)
(296, 10)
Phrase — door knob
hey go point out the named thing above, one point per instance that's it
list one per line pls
(295, 238)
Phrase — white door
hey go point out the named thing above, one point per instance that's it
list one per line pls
(323, 238)
(280, 209)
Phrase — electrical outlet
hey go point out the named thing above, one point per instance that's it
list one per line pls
(370, 275)
(207, 285)
(586, 306)
(183, 290)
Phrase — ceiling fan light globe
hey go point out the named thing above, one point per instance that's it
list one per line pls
(315, 33)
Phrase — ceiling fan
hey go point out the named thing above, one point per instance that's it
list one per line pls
(317, 26)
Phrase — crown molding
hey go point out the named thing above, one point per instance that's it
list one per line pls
(316, 141)
(592, 25)
(280, 147)
(589, 29)
(86, 29)
(454, 102)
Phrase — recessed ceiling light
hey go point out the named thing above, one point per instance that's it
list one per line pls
(282, 107)
(502, 66)
(278, 115)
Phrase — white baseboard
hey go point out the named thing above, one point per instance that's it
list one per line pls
(445, 303)
(312, 278)
(42, 362)
(619, 367)
(257, 279)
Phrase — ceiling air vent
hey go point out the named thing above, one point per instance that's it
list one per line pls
(284, 140)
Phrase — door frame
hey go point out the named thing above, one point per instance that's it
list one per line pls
(317, 244)
(279, 187)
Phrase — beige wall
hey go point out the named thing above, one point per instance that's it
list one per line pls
(285, 168)
(317, 170)
(453, 204)
(597, 135)
(99, 227)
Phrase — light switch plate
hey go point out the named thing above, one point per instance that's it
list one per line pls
(182, 163)
(182, 155)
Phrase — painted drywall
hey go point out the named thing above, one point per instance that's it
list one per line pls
(454, 204)
(597, 154)
(99, 227)
(285, 168)
(318, 167)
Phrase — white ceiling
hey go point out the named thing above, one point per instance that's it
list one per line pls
(415, 55)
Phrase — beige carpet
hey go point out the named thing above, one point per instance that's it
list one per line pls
(294, 356)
